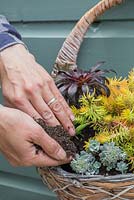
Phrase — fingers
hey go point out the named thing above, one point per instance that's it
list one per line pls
(58, 106)
(54, 90)
(43, 159)
(55, 112)
(60, 113)
(30, 110)
(39, 160)
(37, 107)
(58, 95)
(25, 106)
(44, 110)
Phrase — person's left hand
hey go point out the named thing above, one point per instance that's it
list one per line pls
(27, 86)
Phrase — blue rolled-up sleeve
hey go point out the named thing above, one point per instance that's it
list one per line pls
(8, 34)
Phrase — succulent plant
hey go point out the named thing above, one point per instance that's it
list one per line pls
(81, 162)
(74, 83)
(107, 156)
(122, 167)
(85, 163)
(94, 146)
(110, 155)
(94, 168)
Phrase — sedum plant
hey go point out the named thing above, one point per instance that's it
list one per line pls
(110, 155)
(122, 167)
(82, 162)
(98, 156)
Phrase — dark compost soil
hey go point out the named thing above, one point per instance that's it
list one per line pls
(61, 136)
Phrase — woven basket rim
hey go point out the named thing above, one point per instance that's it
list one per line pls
(108, 178)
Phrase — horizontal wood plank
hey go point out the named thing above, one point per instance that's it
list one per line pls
(62, 10)
(20, 187)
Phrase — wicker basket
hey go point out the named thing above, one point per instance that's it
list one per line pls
(70, 186)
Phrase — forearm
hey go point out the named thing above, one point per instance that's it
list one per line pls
(8, 34)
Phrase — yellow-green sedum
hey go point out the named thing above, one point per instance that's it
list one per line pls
(112, 117)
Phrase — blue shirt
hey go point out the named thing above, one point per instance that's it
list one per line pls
(8, 34)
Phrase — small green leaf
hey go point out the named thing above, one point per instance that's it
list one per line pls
(80, 128)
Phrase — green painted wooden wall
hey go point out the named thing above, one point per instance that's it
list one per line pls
(44, 24)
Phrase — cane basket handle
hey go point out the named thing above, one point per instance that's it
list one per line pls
(68, 53)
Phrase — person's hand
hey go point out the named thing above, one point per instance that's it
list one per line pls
(28, 87)
(19, 134)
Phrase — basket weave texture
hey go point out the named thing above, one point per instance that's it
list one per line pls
(70, 186)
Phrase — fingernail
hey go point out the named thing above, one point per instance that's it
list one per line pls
(71, 131)
(72, 117)
(61, 154)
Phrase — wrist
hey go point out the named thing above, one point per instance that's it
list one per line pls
(2, 113)
(15, 47)
(9, 56)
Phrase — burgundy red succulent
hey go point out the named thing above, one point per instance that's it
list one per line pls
(74, 83)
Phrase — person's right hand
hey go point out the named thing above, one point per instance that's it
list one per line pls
(18, 135)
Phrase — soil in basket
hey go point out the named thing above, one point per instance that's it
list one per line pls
(71, 145)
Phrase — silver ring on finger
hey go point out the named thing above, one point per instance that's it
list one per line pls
(53, 100)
